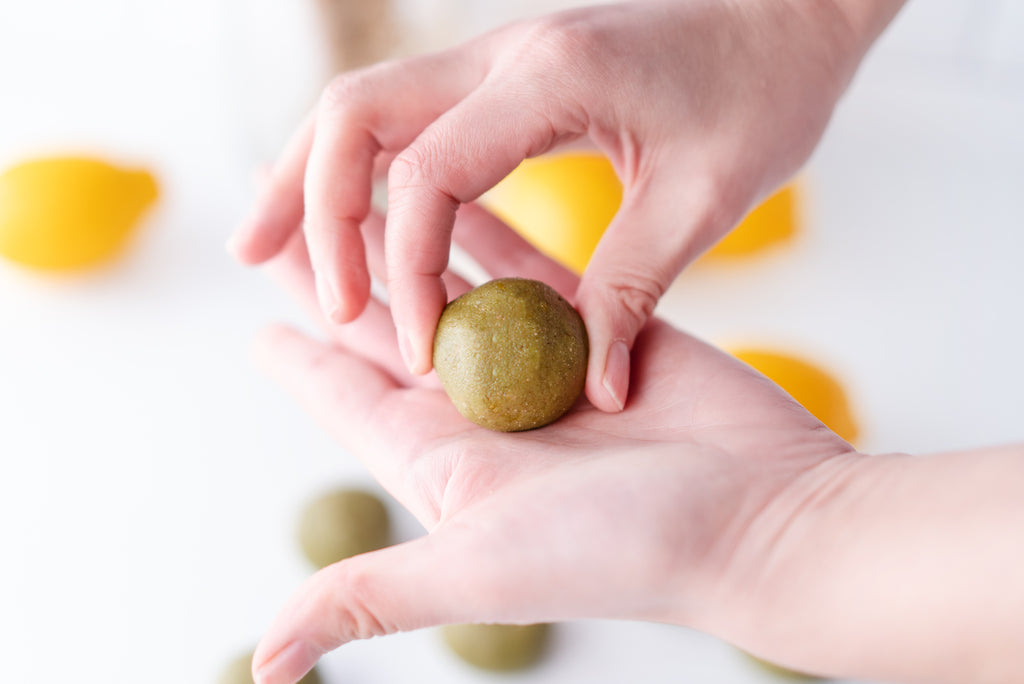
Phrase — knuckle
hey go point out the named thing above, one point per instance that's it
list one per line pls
(637, 295)
(343, 90)
(322, 366)
(354, 590)
(410, 168)
(557, 62)
(565, 37)
(319, 363)
(427, 170)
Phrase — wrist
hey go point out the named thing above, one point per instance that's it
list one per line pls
(888, 567)
(787, 574)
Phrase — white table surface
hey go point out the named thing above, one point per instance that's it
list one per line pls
(151, 477)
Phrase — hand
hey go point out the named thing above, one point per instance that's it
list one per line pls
(702, 106)
(663, 512)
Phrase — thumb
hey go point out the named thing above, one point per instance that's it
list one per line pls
(442, 578)
(660, 227)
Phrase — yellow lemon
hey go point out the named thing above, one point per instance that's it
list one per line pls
(812, 387)
(65, 213)
(560, 203)
(773, 222)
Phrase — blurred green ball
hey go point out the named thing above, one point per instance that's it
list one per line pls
(239, 671)
(497, 647)
(341, 524)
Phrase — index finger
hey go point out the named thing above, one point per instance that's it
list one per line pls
(362, 114)
(457, 158)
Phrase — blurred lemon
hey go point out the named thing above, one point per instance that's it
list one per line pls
(560, 203)
(773, 222)
(65, 213)
(812, 387)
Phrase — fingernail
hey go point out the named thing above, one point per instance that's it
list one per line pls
(288, 665)
(616, 373)
(324, 292)
(405, 347)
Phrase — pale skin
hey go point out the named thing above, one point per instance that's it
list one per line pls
(712, 501)
(703, 107)
(686, 488)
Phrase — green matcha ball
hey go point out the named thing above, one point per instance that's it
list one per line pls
(343, 523)
(511, 354)
(239, 671)
(497, 647)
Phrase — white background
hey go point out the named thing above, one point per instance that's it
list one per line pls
(150, 478)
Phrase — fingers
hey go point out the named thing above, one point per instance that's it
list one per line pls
(361, 114)
(463, 153)
(450, 576)
(395, 589)
(376, 419)
(279, 206)
(634, 264)
(373, 234)
(489, 562)
(339, 389)
(372, 335)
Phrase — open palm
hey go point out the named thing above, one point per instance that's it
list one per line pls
(656, 513)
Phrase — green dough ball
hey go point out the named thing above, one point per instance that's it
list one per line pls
(343, 523)
(497, 647)
(239, 671)
(511, 354)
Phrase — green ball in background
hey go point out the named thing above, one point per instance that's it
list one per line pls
(497, 647)
(341, 524)
(239, 671)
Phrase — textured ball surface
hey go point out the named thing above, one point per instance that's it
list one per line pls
(511, 354)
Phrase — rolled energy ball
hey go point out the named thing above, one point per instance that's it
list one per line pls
(497, 647)
(511, 354)
(239, 671)
(343, 523)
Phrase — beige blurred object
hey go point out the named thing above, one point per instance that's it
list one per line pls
(358, 32)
